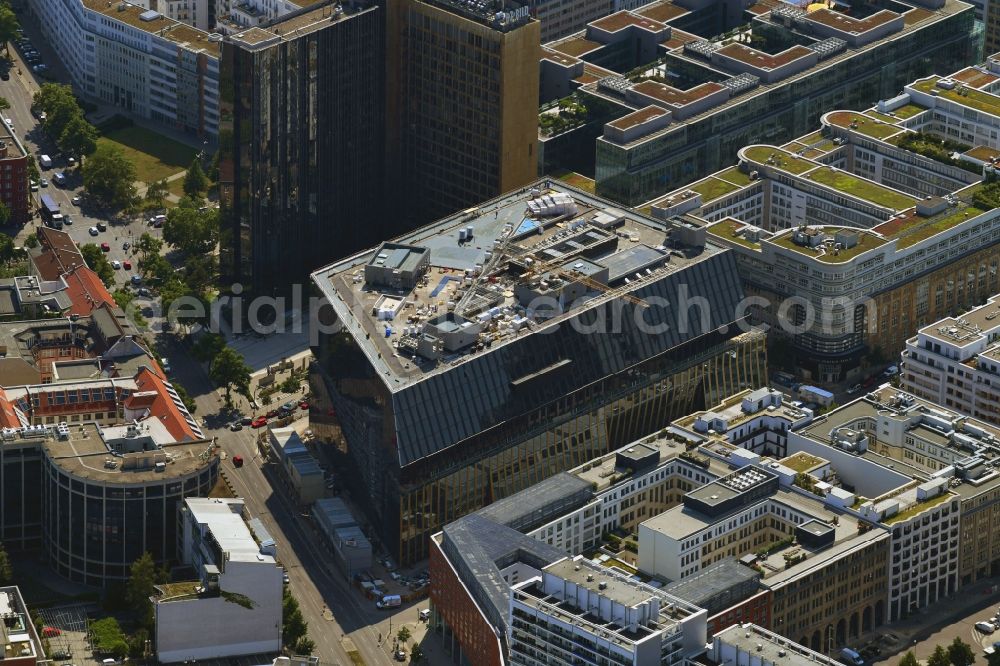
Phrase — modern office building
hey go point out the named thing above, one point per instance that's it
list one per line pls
(195, 13)
(745, 643)
(690, 100)
(584, 613)
(462, 104)
(548, 328)
(137, 60)
(65, 448)
(853, 237)
(234, 606)
(956, 362)
(301, 178)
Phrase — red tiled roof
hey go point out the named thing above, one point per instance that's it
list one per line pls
(86, 291)
(58, 255)
(141, 400)
(163, 408)
(8, 419)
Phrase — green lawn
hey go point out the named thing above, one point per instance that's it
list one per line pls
(154, 155)
(780, 159)
(974, 99)
(861, 188)
(866, 242)
(908, 111)
(575, 179)
(917, 508)
(712, 188)
(734, 175)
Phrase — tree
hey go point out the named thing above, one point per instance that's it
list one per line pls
(31, 241)
(8, 26)
(909, 659)
(403, 635)
(195, 182)
(960, 653)
(416, 653)
(192, 231)
(140, 587)
(304, 646)
(230, 370)
(110, 178)
(156, 192)
(208, 347)
(4, 104)
(293, 625)
(6, 570)
(7, 252)
(4, 214)
(33, 168)
(98, 263)
(939, 657)
(148, 245)
(78, 137)
(137, 643)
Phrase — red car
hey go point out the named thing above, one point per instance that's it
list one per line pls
(259, 422)
(304, 404)
(271, 414)
(105, 247)
(237, 461)
(127, 265)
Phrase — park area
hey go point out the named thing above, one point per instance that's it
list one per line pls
(155, 156)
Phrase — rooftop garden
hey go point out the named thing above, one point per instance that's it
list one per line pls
(712, 188)
(961, 94)
(917, 508)
(561, 116)
(727, 229)
(575, 179)
(937, 149)
(861, 188)
(865, 242)
(908, 111)
(181, 589)
(864, 125)
(779, 158)
(801, 462)
(880, 116)
(935, 225)
(734, 175)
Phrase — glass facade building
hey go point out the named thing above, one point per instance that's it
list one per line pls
(301, 141)
(94, 530)
(21, 500)
(431, 451)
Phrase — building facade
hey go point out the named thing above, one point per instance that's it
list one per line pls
(462, 104)
(137, 60)
(234, 607)
(524, 413)
(715, 99)
(14, 178)
(301, 148)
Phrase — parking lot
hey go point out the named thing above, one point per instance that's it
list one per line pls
(66, 630)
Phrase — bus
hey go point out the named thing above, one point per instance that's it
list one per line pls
(50, 211)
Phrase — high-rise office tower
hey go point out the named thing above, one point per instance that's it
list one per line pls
(301, 159)
(463, 102)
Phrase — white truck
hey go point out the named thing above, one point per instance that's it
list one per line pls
(389, 601)
(45, 161)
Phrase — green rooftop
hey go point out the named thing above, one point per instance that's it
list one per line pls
(781, 159)
(735, 176)
(973, 99)
(174, 591)
(727, 228)
(908, 111)
(575, 179)
(935, 225)
(801, 462)
(872, 192)
(917, 508)
(712, 188)
(866, 241)
(862, 124)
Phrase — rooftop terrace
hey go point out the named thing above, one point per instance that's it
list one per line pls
(157, 24)
(961, 94)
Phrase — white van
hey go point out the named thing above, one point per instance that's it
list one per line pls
(849, 656)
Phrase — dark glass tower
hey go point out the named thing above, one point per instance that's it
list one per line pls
(301, 141)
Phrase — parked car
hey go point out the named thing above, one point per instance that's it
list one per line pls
(105, 247)
(136, 280)
(854, 389)
(76, 200)
(985, 627)
(116, 265)
(44, 182)
(127, 265)
(34, 186)
(237, 461)
(102, 226)
(92, 231)
(259, 422)
(304, 404)
(235, 425)
(288, 407)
